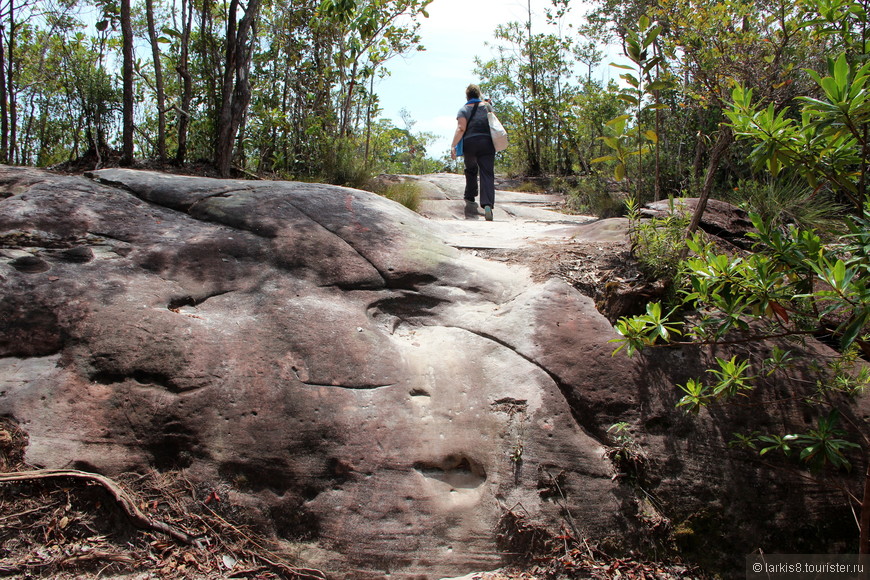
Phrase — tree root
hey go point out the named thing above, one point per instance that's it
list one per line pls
(121, 497)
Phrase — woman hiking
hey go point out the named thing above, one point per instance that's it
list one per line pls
(472, 130)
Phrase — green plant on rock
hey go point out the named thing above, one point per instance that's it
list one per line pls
(590, 196)
(658, 243)
(788, 200)
(406, 193)
(827, 144)
(625, 453)
(793, 286)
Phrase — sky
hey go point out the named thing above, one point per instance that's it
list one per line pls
(431, 84)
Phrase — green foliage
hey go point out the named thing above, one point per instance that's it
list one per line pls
(645, 330)
(407, 193)
(552, 117)
(400, 150)
(590, 196)
(789, 201)
(729, 379)
(658, 243)
(626, 454)
(792, 286)
(626, 139)
(819, 447)
(828, 144)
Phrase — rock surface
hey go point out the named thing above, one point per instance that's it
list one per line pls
(720, 218)
(376, 397)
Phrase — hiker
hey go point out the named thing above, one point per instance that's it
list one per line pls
(472, 133)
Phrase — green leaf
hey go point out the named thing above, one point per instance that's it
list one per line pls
(853, 329)
(643, 22)
(841, 72)
(619, 172)
(659, 85)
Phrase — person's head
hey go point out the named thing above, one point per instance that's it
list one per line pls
(472, 92)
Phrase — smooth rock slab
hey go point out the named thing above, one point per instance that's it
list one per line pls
(317, 348)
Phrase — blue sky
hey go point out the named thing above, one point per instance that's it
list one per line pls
(431, 84)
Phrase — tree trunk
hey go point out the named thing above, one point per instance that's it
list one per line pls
(158, 81)
(4, 111)
(236, 89)
(186, 81)
(535, 157)
(127, 72)
(12, 106)
(725, 138)
(344, 129)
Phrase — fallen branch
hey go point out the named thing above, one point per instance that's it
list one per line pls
(30, 567)
(121, 497)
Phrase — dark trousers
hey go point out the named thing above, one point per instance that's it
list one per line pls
(479, 155)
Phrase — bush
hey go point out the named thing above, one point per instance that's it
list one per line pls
(658, 243)
(408, 193)
(528, 187)
(344, 165)
(785, 202)
(590, 196)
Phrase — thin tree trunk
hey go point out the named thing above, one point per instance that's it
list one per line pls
(127, 72)
(369, 119)
(344, 129)
(722, 144)
(10, 86)
(158, 81)
(186, 81)
(535, 157)
(4, 111)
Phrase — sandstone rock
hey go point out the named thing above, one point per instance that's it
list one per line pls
(720, 218)
(372, 396)
(288, 339)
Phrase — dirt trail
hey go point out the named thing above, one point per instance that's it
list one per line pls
(520, 219)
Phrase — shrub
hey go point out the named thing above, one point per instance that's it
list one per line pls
(408, 193)
(658, 243)
(344, 165)
(590, 196)
(785, 202)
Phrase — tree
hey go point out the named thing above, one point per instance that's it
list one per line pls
(127, 73)
(531, 82)
(629, 140)
(160, 94)
(368, 33)
(236, 88)
(185, 79)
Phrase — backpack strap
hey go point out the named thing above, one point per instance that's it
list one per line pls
(470, 117)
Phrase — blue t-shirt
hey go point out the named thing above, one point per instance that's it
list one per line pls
(480, 124)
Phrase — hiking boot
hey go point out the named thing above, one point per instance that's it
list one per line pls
(487, 212)
(471, 210)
